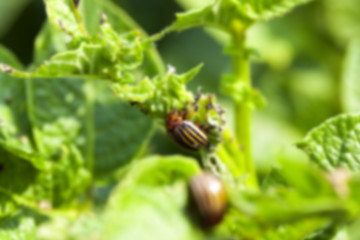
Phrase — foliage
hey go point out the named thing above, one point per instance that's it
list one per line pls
(79, 156)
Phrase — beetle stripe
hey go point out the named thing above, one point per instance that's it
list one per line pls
(187, 132)
(185, 142)
(189, 136)
(195, 132)
(192, 142)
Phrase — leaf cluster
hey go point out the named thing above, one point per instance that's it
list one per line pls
(67, 137)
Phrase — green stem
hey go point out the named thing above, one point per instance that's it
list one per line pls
(242, 111)
(91, 138)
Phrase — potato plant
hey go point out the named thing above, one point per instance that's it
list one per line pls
(81, 156)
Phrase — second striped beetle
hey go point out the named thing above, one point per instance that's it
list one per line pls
(196, 126)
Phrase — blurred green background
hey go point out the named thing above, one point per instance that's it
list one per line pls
(296, 63)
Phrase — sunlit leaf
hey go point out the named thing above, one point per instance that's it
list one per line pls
(147, 213)
(150, 203)
(190, 4)
(48, 42)
(110, 57)
(122, 23)
(62, 14)
(159, 95)
(223, 13)
(158, 170)
(335, 143)
(85, 226)
(108, 131)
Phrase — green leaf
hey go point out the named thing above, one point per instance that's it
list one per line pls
(107, 57)
(159, 95)
(224, 14)
(118, 18)
(219, 14)
(88, 60)
(330, 231)
(279, 207)
(90, 11)
(268, 9)
(122, 23)
(57, 109)
(299, 230)
(108, 131)
(20, 148)
(191, 4)
(15, 127)
(147, 213)
(350, 88)
(48, 42)
(9, 206)
(19, 226)
(335, 143)
(59, 114)
(97, 118)
(149, 203)
(62, 14)
(290, 207)
(13, 115)
(158, 170)
(68, 177)
(86, 225)
(8, 57)
(21, 165)
(17, 174)
(52, 40)
(121, 131)
(303, 202)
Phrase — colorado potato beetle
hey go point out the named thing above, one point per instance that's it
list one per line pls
(197, 125)
(208, 195)
(184, 132)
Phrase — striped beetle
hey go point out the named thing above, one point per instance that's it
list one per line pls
(184, 132)
(197, 125)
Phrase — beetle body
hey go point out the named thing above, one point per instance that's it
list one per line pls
(184, 132)
(209, 197)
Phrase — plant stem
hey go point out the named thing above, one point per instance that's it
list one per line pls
(242, 111)
(90, 129)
